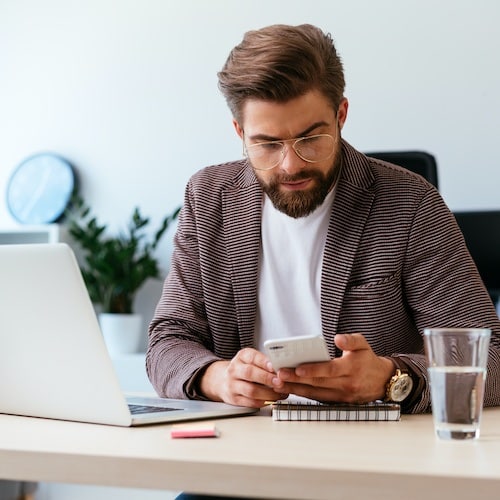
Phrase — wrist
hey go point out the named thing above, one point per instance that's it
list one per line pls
(389, 371)
(210, 380)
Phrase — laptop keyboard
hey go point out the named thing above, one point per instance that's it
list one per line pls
(140, 409)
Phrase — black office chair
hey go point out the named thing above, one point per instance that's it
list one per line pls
(17, 490)
(419, 162)
(481, 230)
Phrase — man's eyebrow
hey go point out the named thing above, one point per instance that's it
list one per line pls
(265, 137)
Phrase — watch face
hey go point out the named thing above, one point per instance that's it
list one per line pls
(401, 388)
(40, 188)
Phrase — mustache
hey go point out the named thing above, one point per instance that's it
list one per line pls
(299, 176)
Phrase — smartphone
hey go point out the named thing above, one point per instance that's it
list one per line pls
(293, 351)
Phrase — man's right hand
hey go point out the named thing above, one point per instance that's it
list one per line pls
(246, 380)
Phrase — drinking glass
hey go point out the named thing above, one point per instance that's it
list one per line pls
(457, 359)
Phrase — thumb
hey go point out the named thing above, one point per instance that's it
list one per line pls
(350, 341)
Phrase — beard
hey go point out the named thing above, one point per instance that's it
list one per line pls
(298, 204)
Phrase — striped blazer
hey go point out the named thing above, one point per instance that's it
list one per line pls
(394, 263)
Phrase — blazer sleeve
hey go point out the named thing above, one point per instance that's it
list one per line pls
(444, 289)
(179, 344)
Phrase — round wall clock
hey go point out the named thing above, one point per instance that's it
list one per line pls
(40, 189)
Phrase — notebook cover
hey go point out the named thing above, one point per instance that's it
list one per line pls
(290, 409)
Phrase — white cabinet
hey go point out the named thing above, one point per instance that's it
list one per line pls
(47, 233)
(60, 491)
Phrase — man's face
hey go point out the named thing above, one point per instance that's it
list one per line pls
(295, 186)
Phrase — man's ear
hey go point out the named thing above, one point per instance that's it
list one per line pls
(238, 129)
(342, 112)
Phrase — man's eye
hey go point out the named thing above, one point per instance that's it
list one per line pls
(271, 146)
(311, 140)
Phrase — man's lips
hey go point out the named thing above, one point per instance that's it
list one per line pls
(296, 185)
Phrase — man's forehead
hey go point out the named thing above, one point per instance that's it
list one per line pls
(282, 120)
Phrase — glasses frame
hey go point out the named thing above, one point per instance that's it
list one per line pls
(293, 142)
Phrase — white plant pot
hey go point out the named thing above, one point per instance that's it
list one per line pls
(122, 332)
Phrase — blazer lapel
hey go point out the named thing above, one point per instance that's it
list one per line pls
(350, 211)
(242, 210)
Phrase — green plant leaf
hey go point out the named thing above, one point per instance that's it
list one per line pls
(115, 267)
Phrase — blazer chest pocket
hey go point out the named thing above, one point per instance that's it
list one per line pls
(373, 288)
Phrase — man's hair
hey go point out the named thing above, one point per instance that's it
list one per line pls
(279, 63)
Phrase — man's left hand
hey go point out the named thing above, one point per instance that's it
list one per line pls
(358, 376)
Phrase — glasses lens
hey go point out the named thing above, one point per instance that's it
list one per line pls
(315, 148)
(265, 155)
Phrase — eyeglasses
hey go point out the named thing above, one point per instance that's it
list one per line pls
(268, 155)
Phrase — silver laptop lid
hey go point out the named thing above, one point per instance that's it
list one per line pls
(53, 360)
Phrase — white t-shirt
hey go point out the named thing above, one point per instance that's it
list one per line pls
(289, 286)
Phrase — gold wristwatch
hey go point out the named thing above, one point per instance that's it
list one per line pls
(399, 387)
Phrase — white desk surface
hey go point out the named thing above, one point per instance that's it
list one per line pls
(255, 456)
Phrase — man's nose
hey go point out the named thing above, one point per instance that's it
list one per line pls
(291, 162)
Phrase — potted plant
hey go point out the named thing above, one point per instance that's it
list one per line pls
(115, 267)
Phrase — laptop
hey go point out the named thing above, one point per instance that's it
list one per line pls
(53, 359)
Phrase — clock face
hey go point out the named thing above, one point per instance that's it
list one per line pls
(40, 188)
(402, 387)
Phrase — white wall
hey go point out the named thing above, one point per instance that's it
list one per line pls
(127, 91)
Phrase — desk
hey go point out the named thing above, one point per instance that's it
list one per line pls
(259, 457)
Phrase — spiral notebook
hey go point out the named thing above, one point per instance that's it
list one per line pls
(307, 409)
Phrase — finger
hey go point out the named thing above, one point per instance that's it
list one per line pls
(251, 356)
(314, 370)
(308, 391)
(249, 365)
(325, 394)
(351, 342)
(254, 395)
(239, 400)
(311, 374)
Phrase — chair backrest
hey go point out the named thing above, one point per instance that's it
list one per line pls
(420, 162)
(481, 230)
